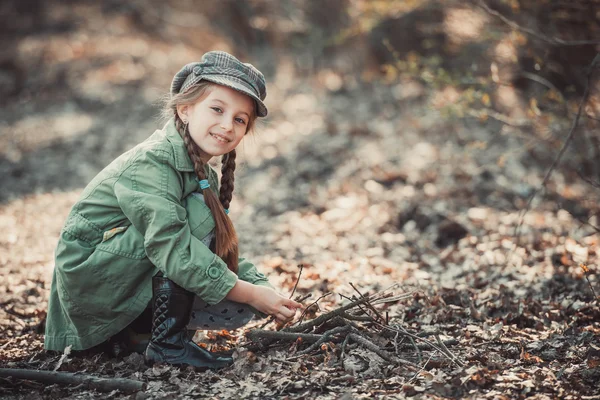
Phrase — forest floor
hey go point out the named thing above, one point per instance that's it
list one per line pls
(371, 189)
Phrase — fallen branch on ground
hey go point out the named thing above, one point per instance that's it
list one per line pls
(68, 378)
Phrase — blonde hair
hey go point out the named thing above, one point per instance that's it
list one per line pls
(226, 241)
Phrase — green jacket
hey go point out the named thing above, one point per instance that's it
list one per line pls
(133, 220)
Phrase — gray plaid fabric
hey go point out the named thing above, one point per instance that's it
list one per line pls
(224, 69)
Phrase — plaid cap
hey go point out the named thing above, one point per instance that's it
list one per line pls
(224, 69)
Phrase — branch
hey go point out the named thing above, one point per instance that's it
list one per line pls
(310, 305)
(404, 332)
(322, 318)
(381, 353)
(301, 266)
(369, 305)
(593, 65)
(326, 336)
(67, 378)
(257, 334)
(537, 35)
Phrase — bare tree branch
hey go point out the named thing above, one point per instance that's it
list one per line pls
(537, 35)
(592, 67)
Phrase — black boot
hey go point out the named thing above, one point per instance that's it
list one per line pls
(169, 343)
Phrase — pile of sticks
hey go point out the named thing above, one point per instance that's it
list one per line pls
(358, 323)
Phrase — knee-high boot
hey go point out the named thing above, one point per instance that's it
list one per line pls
(169, 343)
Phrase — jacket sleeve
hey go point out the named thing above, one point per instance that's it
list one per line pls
(248, 273)
(149, 193)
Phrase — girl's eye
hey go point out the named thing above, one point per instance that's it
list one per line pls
(217, 109)
(240, 121)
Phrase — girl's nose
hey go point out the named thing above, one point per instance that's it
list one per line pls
(226, 125)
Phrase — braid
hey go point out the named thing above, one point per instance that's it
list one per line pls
(227, 178)
(226, 241)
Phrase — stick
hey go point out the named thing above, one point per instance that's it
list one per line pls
(359, 318)
(362, 310)
(585, 271)
(369, 305)
(322, 318)
(425, 346)
(326, 336)
(422, 368)
(410, 335)
(301, 266)
(67, 378)
(593, 65)
(301, 318)
(514, 25)
(448, 352)
(257, 334)
(383, 354)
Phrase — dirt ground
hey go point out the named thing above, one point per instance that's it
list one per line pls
(375, 170)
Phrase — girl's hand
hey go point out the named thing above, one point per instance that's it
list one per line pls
(270, 302)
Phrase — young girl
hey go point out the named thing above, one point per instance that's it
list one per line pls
(152, 229)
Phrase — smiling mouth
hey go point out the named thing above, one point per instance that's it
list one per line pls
(220, 138)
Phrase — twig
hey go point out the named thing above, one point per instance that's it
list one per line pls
(541, 80)
(359, 318)
(303, 298)
(381, 353)
(562, 150)
(552, 40)
(585, 271)
(520, 123)
(362, 310)
(344, 343)
(431, 344)
(412, 342)
(578, 218)
(310, 305)
(268, 321)
(257, 334)
(446, 351)
(67, 378)
(592, 182)
(324, 317)
(392, 299)
(414, 345)
(335, 322)
(422, 368)
(369, 305)
(301, 266)
(426, 346)
(326, 336)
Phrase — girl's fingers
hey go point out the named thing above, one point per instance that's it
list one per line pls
(293, 304)
(281, 318)
(286, 312)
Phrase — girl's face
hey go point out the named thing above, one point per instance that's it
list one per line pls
(219, 121)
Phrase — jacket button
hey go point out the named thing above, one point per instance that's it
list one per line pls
(214, 272)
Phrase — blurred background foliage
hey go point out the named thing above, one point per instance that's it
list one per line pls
(85, 77)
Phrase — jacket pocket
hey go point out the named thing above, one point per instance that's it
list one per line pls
(199, 216)
(98, 283)
(114, 231)
(125, 241)
(120, 270)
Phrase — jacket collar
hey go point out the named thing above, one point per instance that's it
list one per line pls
(182, 159)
